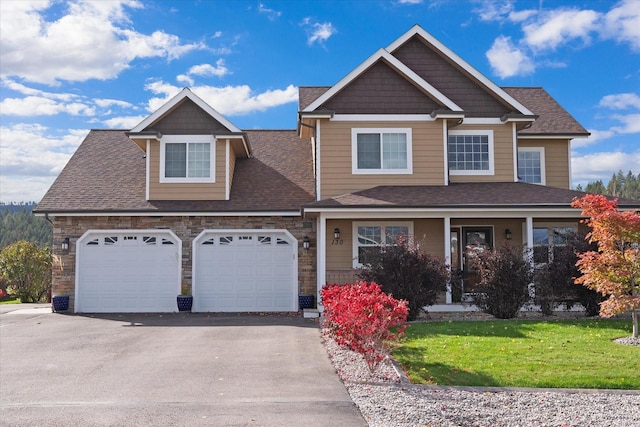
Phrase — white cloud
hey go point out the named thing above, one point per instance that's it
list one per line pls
(105, 103)
(622, 23)
(630, 123)
(272, 14)
(596, 136)
(560, 26)
(493, 10)
(41, 106)
(620, 101)
(91, 41)
(591, 167)
(410, 1)
(318, 32)
(32, 158)
(227, 100)
(123, 122)
(508, 60)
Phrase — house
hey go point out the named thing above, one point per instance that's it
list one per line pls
(414, 141)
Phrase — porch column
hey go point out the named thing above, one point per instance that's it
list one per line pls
(321, 251)
(447, 253)
(529, 226)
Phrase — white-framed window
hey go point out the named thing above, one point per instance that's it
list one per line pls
(372, 234)
(381, 151)
(470, 152)
(187, 158)
(531, 165)
(546, 239)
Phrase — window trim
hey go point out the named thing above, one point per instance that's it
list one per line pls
(354, 152)
(543, 171)
(188, 139)
(383, 225)
(489, 134)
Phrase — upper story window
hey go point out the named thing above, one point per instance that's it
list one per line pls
(531, 165)
(470, 152)
(381, 151)
(187, 158)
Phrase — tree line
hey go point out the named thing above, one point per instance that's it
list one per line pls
(18, 223)
(620, 185)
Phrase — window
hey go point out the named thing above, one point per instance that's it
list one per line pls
(531, 165)
(187, 158)
(546, 239)
(371, 235)
(470, 152)
(376, 151)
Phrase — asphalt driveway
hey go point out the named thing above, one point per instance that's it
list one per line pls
(166, 369)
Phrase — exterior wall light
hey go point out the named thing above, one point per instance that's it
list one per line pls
(306, 243)
(65, 244)
(336, 233)
(507, 234)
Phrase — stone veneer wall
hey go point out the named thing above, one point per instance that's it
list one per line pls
(186, 228)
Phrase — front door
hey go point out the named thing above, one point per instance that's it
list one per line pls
(474, 240)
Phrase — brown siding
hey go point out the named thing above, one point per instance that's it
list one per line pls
(502, 152)
(380, 90)
(335, 163)
(187, 191)
(556, 160)
(449, 79)
(188, 118)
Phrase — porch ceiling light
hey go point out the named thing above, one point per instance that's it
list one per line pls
(507, 234)
(306, 243)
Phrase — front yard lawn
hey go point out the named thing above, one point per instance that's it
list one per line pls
(521, 353)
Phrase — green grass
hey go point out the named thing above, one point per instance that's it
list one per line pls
(10, 301)
(521, 353)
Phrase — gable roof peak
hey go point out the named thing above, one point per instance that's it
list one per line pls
(418, 31)
(185, 93)
(384, 55)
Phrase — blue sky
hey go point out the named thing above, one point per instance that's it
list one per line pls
(70, 66)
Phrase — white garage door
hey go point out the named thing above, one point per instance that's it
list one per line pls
(127, 271)
(245, 271)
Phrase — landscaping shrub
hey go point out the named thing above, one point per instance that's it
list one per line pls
(555, 280)
(364, 319)
(505, 275)
(26, 270)
(405, 272)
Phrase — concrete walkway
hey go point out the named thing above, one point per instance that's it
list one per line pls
(166, 369)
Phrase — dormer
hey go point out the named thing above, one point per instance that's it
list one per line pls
(190, 149)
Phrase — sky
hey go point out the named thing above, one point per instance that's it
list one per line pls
(70, 66)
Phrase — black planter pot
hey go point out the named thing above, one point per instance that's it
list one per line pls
(306, 301)
(185, 302)
(60, 303)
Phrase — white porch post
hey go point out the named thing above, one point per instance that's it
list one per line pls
(447, 253)
(532, 288)
(321, 269)
(529, 226)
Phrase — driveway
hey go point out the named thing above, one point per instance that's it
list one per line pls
(166, 369)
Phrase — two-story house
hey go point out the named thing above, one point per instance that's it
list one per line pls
(413, 141)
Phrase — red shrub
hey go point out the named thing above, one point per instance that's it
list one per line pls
(364, 319)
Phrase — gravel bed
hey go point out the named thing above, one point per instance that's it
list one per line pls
(386, 398)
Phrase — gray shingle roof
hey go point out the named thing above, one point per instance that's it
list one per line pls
(460, 195)
(107, 174)
(552, 120)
